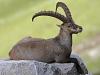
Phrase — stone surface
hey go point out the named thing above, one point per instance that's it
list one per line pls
(26, 67)
(80, 63)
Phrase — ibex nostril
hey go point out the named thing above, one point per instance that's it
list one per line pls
(81, 28)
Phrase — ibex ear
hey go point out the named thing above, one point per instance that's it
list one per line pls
(59, 26)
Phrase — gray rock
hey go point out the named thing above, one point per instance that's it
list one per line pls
(80, 63)
(26, 67)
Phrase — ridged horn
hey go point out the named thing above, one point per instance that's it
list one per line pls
(66, 10)
(50, 13)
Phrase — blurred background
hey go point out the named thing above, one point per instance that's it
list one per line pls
(15, 24)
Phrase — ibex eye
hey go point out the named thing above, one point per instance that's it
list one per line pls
(69, 26)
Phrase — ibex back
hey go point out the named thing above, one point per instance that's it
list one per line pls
(57, 49)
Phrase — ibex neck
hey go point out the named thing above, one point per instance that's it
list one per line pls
(65, 39)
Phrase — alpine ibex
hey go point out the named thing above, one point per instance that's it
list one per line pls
(57, 49)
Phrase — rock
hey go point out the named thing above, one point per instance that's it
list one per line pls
(26, 67)
(81, 66)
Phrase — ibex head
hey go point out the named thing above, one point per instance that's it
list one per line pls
(67, 27)
(68, 23)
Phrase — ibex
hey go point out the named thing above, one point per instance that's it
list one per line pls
(57, 49)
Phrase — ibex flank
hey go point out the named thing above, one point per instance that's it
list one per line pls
(57, 49)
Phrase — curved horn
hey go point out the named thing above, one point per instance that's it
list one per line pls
(52, 14)
(66, 10)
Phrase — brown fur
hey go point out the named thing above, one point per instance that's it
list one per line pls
(56, 49)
